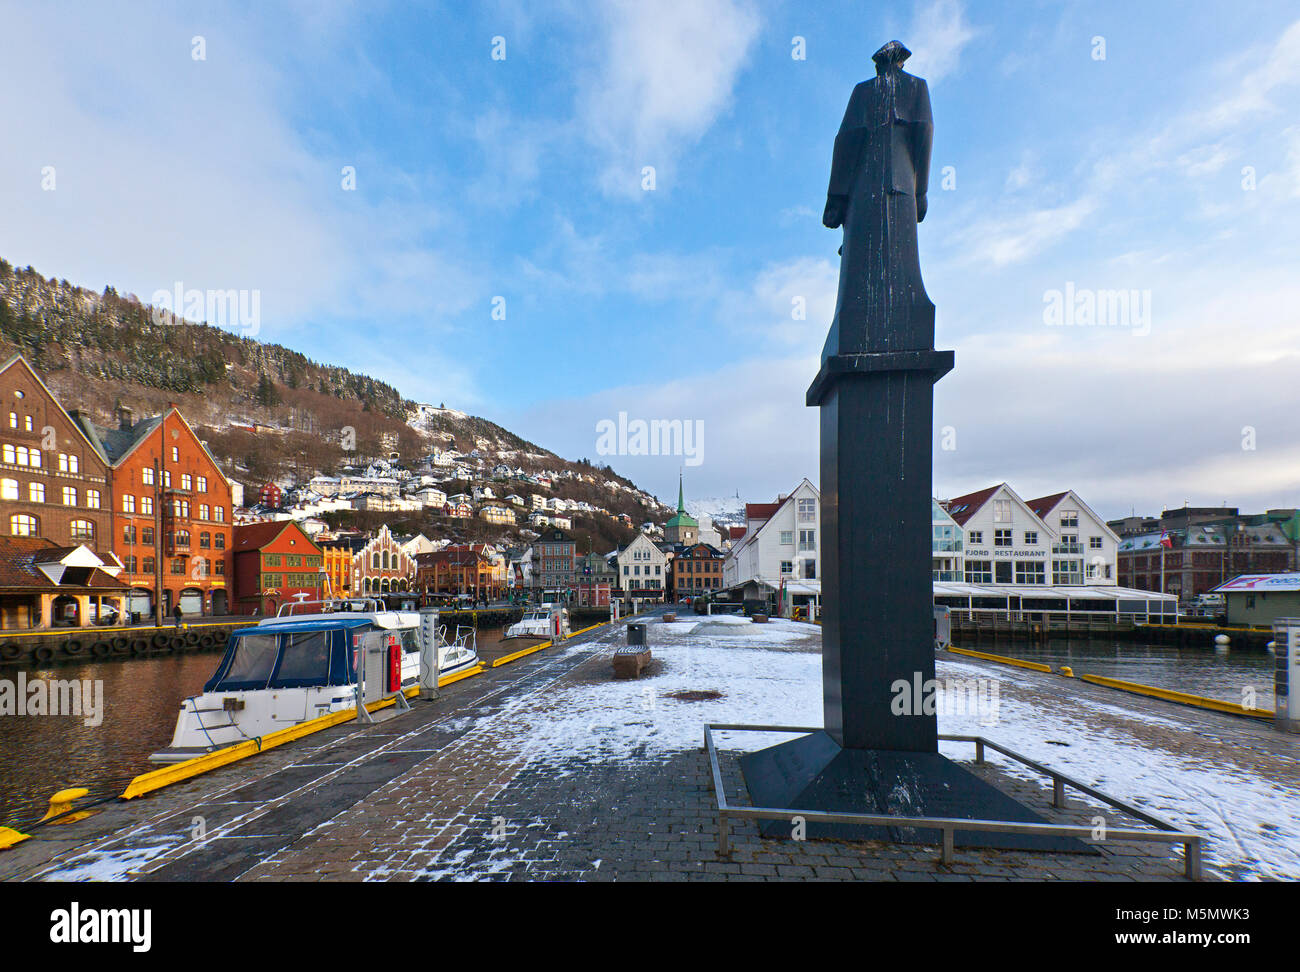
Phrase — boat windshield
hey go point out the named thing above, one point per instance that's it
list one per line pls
(287, 657)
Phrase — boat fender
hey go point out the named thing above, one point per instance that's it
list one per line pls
(43, 653)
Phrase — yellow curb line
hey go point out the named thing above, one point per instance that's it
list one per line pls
(1169, 695)
(1017, 662)
(506, 659)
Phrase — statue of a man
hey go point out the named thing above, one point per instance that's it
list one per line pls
(879, 175)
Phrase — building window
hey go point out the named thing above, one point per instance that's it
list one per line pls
(128, 533)
(1069, 519)
(977, 536)
(979, 572)
(9, 454)
(8, 489)
(219, 514)
(27, 423)
(92, 499)
(809, 570)
(1030, 572)
(202, 484)
(182, 538)
(807, 540)
(68, 463)
(221, 541)
(807, 510)
(1067, 571)
(1001, 538)
(219, 568)
(146, 505)
(187, 481)
(1094, 543)
(787, 568)
(146, 566)
(13, 420)
(203, 511)
(205, 541)
(146, 535)
(176, 454)
(23, 525)
(1031, 538)
(36, 492)
(82, 530)
(130, 563)
(1002, 511)
(167, 479)
(178, 565)
(146, 475)
(128, 503)
(69, 495)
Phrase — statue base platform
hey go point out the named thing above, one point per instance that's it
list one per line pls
(813, 772)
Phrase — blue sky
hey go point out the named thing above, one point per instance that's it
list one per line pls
(521, 178)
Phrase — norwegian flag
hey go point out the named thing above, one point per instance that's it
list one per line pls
(1166, 540)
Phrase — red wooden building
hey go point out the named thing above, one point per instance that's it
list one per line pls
(272, 563)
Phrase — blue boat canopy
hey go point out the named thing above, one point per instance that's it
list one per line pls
(304, 654)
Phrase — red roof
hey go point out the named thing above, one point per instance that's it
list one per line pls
(1045, 504)
(962, 508)
(736, 532)
(761, 511)
(254, 536)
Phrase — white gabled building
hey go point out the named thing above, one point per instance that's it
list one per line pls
(642, 569)
(1055, 540)
(1084, 540)
(782, 542)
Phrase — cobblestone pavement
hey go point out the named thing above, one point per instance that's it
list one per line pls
(482, 785)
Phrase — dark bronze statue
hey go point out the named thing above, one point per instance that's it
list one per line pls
(879, 752)
(879, 175)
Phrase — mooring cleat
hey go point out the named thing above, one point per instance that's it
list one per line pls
(62, 802)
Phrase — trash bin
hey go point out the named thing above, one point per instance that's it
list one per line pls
(636, 633)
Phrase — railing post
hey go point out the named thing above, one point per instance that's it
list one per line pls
(1058, 793)
(946, 854)
(724, 825)
(979, 752)
(1192, 858)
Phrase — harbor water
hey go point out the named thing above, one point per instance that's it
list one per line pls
(40, 755)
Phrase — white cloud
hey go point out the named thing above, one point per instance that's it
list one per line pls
(666, 73)
(939, 35)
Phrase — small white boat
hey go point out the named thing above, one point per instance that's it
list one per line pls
(300, 665)
(548, 621)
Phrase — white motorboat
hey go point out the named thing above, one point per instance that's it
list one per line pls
(550, 621)
(301, 664)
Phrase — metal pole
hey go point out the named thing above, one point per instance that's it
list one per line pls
(159, 499)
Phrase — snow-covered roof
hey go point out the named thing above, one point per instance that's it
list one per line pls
(1248, 583)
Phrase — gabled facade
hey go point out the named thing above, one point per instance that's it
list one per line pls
(382, 566)
(172, 511)
(54, 483)
(1006, 542)
(642, 569)
(271, 563)
(782, 541)
(1086, 548)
